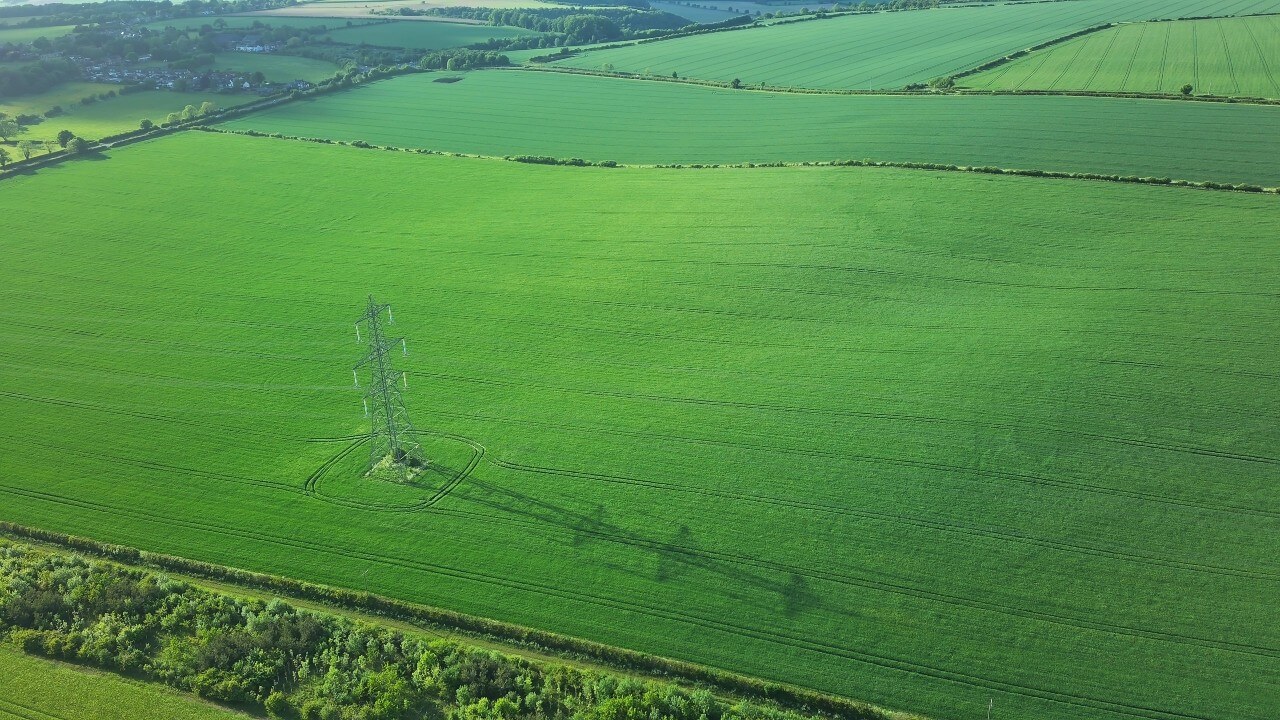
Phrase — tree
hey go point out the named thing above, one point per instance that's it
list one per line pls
(78, 146)
(736, 84)
(27, 147)
(146, 124)
(8, 129)
(189, 112)
(207, 108)
(4, 157)
(65, 136)
(1186, 89)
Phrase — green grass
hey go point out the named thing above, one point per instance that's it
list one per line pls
(887, 50)
(125, 112)
(634, 121)
(65, 94)
(28, 34)
(37, 689)
(422, 35)
(1235, 56)
(277, 68)
(925, 439)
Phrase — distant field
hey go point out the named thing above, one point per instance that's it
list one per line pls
(123, 113)
(887, 50)
(694, 14)
(66, 94)
(38, 689)
(423, 35)
(633, 121)
(27, 34)
(892, 434)
(368, 8)
(1235, 56)
(277, 68)
(250, 21)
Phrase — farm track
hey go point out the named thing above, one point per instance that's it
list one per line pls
(1266, 65)
(615, 604)
(846, 579)
(1133, 57)
(1226, 54)
(311, 484)
(1009, 424)
(11, 708)
(988, 476)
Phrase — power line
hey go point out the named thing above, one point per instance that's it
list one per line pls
(391, 433)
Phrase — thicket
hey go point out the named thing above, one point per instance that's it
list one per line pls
(298, 664)
(36, 77)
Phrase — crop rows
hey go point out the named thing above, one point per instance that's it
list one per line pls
(888, 50)
(518, 113)
(1230, 57)
(663, 373)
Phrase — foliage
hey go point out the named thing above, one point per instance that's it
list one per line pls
(295, 663)
(489, 113)
(36, 77)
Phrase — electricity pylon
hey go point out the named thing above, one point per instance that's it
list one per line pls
(390, 431)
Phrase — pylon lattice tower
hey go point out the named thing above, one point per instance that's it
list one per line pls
(391, 433)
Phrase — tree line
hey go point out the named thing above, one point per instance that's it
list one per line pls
(563, 26)
(297, 664)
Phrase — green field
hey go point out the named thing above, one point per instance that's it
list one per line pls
(243, 22)
(635, 121)
(924, 439)
(66, 95)
(421, 35)
(123, 113)
(1233, 56)
(887, 50)
(37, 689)
(28, 34)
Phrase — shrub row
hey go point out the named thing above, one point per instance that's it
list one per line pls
(993, 170)
(1023, 53)
(546, 160)
(298, 664)
(630, 660)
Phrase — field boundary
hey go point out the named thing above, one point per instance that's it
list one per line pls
(544, 641)
(866, 162)
(1229, 99)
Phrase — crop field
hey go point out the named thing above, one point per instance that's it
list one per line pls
(253, 20)
(1226, 56)
(1006, 444)
(37, 689)
(423, 35)
(64, 95)
(886, 50)
(639, 122)
(28, 34)
(125, 112)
